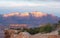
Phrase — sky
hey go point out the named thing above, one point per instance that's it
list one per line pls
(45, 6)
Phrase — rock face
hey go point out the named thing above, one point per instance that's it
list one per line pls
(14, 34)
(9, 33)
(23, 35)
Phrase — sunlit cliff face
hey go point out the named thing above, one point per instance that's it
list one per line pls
(38, 14)
(11, 14)
(26, 14)
(16, 14)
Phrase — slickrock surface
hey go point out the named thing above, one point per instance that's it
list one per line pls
(45, 36)
(23, 35)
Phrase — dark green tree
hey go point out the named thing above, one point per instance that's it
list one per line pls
(59, 32)
(59, 22)
(46, 29)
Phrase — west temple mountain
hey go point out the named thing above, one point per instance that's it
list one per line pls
(32, 19)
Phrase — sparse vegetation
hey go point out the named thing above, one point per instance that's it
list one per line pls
(42, 29)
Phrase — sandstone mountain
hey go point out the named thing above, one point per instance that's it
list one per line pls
(31, 18)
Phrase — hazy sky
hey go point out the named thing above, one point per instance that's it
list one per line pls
(46, 6)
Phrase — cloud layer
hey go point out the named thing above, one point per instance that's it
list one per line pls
(22, 3)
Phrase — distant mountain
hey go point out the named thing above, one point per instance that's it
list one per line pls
(32, 19)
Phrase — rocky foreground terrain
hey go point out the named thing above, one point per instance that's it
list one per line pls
(13, 34)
